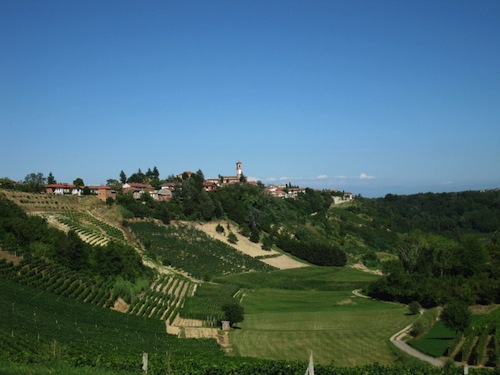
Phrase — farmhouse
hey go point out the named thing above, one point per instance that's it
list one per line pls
(102, 191)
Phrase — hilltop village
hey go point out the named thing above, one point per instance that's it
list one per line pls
(165, 190)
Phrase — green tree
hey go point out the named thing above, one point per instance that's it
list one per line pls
(267, 242)
(231, 237)
(78, 182)
(156, 173)
(123, 177)
(414, 307)
(233, 312)
(255, 235)
(7, 183)
(34, 182)
(456, 316)
(51, 179)
(114, 184)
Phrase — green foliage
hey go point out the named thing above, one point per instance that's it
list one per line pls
(414, 307)
(456, 316)
(255, 235)
(435, 342)
(432, 269)
(267, 242)
(78, 182)
(208, 301)
(34, 182)
(231, 238)
(115, 259)
(306, 278)
(37, 325)
(194, 251)
(319, 253)
(234, 313)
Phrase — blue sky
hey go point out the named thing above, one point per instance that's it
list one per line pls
(373, 97)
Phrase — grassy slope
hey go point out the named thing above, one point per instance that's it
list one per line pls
(278, 324)
(317, 278)
(336, 325)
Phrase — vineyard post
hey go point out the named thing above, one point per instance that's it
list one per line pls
(169, 370)
(145, 362)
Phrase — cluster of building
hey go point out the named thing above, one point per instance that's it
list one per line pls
(166, 190)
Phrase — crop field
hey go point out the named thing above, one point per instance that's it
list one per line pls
(337, 326)
(479, 346)
(435, 342)
(36, 325)
(307, 278)
(58, 280)
(207, 302)
(193, 251)
(32, 202)
(163, 299)
(89, 228)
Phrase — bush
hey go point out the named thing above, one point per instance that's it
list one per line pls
(418, 328)
(233, 312)
(414, 307)
(231, 237)
(219, 228)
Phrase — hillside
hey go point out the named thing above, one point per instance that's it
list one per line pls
(183, 272)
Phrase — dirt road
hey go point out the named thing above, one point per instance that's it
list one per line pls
(396, 339)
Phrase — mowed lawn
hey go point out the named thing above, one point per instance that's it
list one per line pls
(336, 325)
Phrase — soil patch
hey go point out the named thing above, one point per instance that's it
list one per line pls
(246, 246)
(360, 266)
(10, 257)
(120, 305)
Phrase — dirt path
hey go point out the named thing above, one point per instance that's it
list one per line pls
(397, 340)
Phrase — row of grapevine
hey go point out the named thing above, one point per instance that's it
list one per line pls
(481, 343)
(165, 295)
(208, 301)
(49, 202)
(193, 251)
(36, 326)
(88, 227)
(59, 280)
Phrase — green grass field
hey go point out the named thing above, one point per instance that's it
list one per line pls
(307, 278)
(336, 325)
(435, 342)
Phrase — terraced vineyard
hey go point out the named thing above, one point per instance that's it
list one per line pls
(36, 326)
(59, 280)
(193, 251)
(163, 299)
(89, 228)
(207, 304)
(37, 203)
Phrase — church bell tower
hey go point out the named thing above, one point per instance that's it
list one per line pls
(238, 170)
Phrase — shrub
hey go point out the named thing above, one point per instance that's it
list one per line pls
(231, 237)
(414, 307)
(233, 312)
(418, 328)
